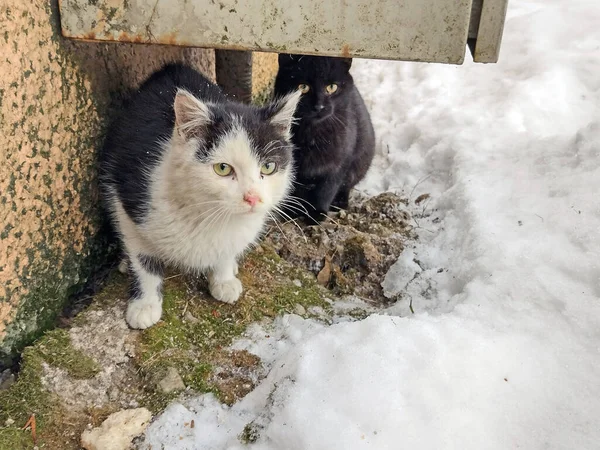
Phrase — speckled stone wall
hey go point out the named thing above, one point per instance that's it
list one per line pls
(264, 71)
(55, 99)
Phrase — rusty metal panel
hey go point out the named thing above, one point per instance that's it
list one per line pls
(411, 30)
(489, 31)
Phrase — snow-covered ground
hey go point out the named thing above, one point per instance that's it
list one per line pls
(503, 350)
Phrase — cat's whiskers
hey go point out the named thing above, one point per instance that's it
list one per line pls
(177, 213)
(337, 119)
(198, 217)
(298, 183)
(195, 205)
(301, 199)
(215, 218)
(295, 207)
(289, 200)
(280, 211)
(280, 229)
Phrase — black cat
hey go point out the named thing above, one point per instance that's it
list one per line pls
(333, 134)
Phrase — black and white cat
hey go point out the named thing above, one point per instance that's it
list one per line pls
(189, 179)
(333, 136)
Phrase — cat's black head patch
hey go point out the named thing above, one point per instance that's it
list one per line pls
(267, 128)
(323, 81)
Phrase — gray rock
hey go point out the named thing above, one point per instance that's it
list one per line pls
(7, 378)
(300, 310)
(171, 382)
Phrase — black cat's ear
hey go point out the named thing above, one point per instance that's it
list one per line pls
(347, 62)
(191, 115)
(285, 59)
(282, 113)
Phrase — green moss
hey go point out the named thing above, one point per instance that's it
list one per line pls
(196, 330)
(15, 438)
(56, 350)
(28, 396)
(49, 293)
(249, 434)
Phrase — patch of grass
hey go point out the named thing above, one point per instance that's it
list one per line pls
(56, 349)
(28, 396)
(14, 438)
(196, 330)
(24, 398)
(249, 434)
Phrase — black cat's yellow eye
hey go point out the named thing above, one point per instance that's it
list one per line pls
(222, 169)
(304, 88)
(268, 168)
(331, 88)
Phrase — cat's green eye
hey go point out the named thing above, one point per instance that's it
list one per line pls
(304, 88)
(331, 88)
(268, 168)
(222, 169)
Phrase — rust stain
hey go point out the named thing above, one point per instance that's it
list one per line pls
(346, 51)
(125, 37)
(170, 38)
(91, 36)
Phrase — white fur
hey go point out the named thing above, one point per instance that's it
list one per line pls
(198, 220)
(145, 311)
(285, 116)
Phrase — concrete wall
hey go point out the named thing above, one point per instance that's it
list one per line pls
(264, 71)
(55, 98)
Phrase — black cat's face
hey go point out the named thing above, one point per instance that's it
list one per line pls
(322, 81)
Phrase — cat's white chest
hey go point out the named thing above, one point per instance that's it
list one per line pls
(200, 244)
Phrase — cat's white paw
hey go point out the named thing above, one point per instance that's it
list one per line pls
(226, 291)
(143, 313)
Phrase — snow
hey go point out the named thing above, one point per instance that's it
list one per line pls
(503, 350)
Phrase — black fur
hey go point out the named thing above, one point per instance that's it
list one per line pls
(333, 136)
(132, 147)
(151, 265)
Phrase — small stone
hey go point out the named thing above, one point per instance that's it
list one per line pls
(171, 382)
(8, 422)
(117, 431)
(189, 317)
(7, 378)
(297, 282)
(343, 214)
(299, 309)
(113, 393)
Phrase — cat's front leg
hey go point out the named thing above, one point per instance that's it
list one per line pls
(145, 303)
(222, 281)
(321, 198)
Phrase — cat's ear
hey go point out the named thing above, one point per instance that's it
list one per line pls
(285, 59)
(282, 113)
(191, 115)
(347, 62)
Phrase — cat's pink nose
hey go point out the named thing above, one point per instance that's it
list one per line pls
(251, 198)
